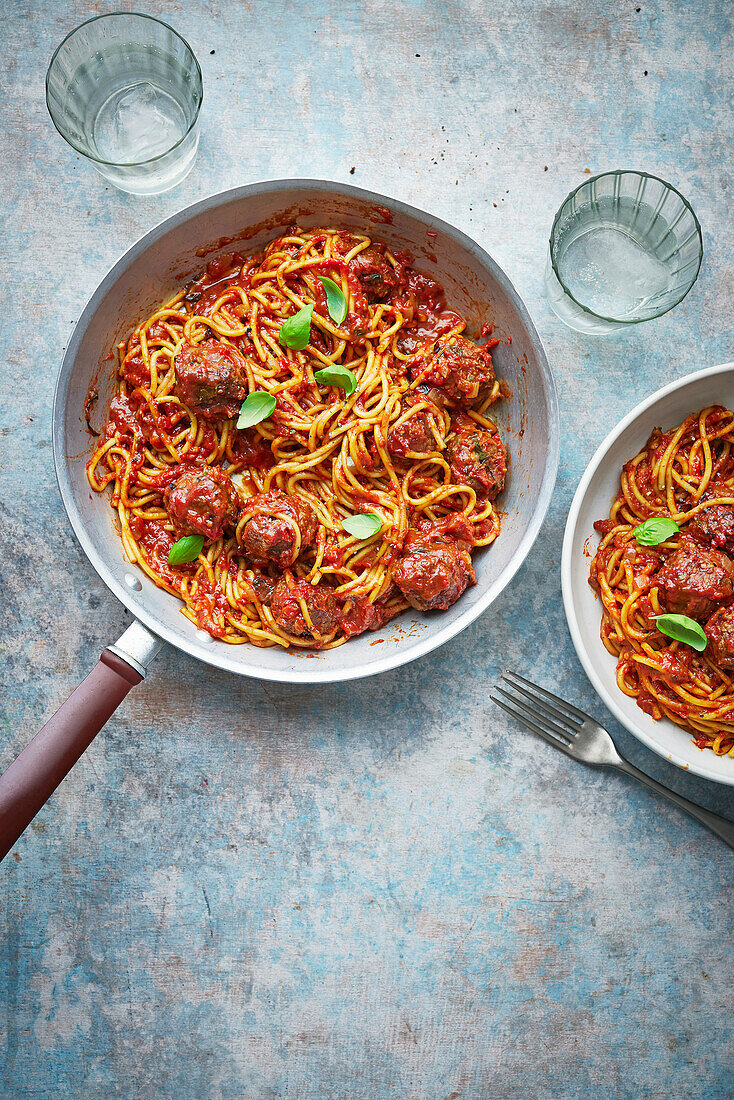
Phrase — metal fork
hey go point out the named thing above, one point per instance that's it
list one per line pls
(577, 734)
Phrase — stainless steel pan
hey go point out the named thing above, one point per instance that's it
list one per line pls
(245, 219)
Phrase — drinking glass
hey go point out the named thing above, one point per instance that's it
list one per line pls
(625, 247)
(125, 91)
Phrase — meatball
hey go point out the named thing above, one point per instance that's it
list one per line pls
(714, 526)
(720, 634)
(694, 580)
(263, 587)
(202, 502)
(459, 369)
(414, 435)
(279, 529)
(210, 379)
(376, 277)
(432, 572)
(479, 459)
(322, 607)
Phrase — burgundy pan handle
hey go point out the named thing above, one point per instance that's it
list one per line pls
(31, 779)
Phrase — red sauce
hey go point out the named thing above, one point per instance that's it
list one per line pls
(676, 665)
(424, 297)
(135, 371)
(157, 542)
(648, 703)
(229, 269)
(252, 450)
(210, 604)
(122, 417)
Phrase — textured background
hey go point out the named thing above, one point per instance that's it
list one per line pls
(384, 889)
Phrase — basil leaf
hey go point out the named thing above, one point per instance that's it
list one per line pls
(337, 376)
(257, 406)
(682, 629)
(296, 331)
(186, 549)
(655, 530)
(362, 526)
(335, 300)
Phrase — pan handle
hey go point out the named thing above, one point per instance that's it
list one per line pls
(31, 779)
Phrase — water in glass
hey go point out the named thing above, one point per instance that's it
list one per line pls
(608, 257)
(125, 90)
(138, 122)
(625, 247)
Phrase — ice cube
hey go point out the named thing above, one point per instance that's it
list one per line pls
(138, 123)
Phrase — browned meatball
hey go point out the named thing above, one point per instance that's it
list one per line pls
(714, 526)
(720, 633)
(210, 379)
(459, 369)
(280, 528)
(695, 580)
(413, 435)
(479, 459)
(432, 572)
(377, 278)
(322, 607)
(202, 502)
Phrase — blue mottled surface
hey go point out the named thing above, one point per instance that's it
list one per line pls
(384, 889)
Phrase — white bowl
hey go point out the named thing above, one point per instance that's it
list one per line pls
(593, 498)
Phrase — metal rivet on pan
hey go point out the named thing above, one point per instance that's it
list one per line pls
(202, 636)
(132, 582)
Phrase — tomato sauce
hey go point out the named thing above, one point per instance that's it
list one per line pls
(424, 297)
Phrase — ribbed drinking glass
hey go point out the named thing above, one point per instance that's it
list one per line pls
(625, 247)
(125, 91)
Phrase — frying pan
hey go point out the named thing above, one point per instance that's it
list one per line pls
(244, 219)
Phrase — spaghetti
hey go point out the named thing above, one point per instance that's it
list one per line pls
(412, 446)
(685, 474)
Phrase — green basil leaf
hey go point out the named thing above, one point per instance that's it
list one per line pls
(296, 331)
(257, 406)
(682, 629)
(655, 530)
(362, 526)
(186, 549)
(337, 376)
(335, 300)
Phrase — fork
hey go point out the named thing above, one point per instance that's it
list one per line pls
(577, 734)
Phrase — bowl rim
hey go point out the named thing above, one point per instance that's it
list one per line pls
(215, 655)
(706, 768)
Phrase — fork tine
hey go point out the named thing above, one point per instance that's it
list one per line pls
(548, 724)
(525, 721)
(548, 695)
(547, 709)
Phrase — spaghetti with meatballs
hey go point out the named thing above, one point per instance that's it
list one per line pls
(664, 570)
(275, 400)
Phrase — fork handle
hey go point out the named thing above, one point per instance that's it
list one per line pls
(719, 825)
